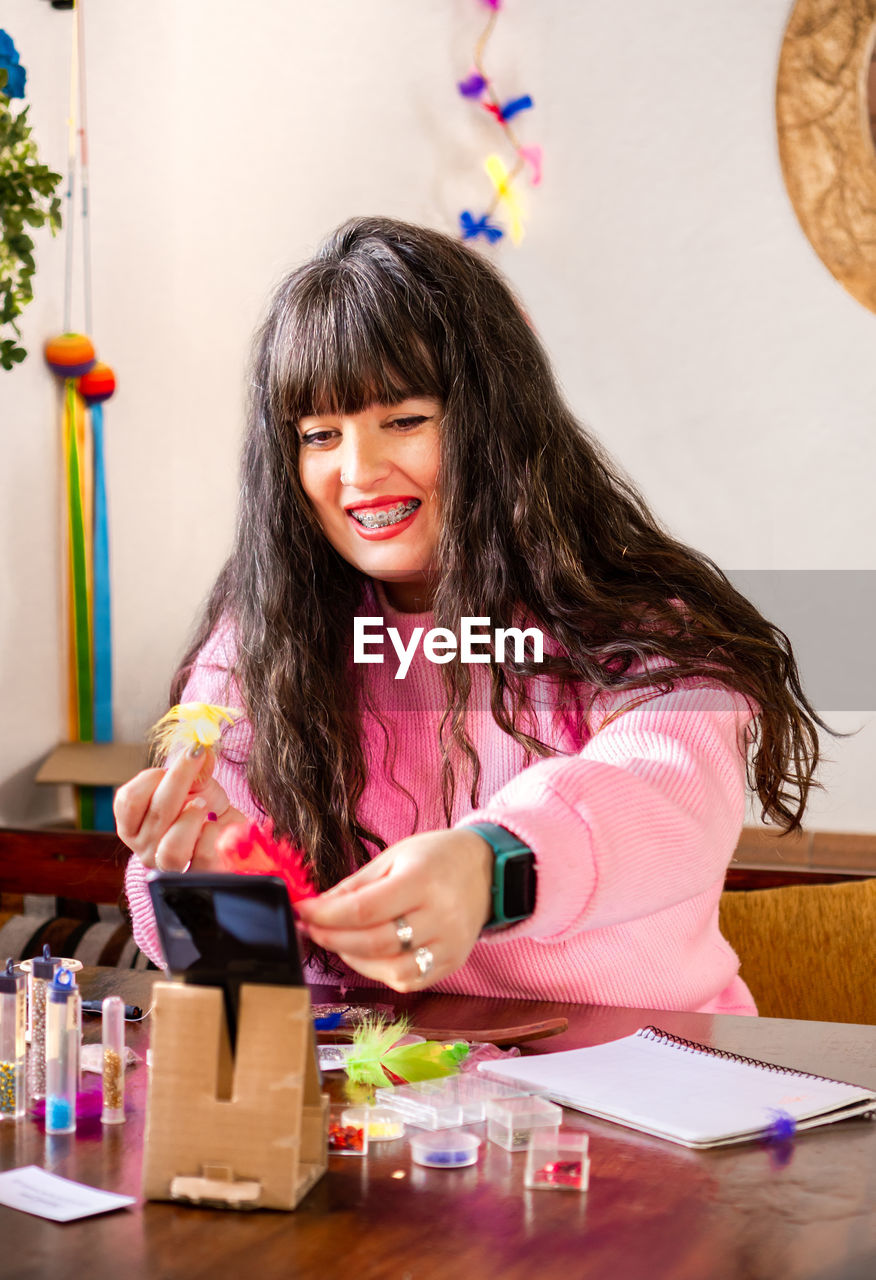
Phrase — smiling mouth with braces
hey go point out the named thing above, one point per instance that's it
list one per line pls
(392, 515)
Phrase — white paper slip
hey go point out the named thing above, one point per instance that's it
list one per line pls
(685, 1092)
(32, 1190)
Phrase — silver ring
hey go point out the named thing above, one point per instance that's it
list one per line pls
(424, 960)
(404, 933)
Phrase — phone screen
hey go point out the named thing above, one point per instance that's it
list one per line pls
(223, 930)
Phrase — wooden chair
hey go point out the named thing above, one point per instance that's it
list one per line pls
(807, 950)
(76, 872)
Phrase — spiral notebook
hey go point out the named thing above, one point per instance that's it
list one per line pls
(685, 1092)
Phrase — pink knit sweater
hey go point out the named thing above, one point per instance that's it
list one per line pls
(632, 829)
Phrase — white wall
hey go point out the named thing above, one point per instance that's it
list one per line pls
(691, 323)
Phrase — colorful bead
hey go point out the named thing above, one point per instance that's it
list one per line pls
(98, 384)
(70, 355)
(113, 1080)
(8, 1089)
(560, 1173)
(347, 1137)
(59, 1114)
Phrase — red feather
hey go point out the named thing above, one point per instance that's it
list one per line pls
(251, 850)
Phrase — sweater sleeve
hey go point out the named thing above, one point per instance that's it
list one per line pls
(210, 681)
(646, 816)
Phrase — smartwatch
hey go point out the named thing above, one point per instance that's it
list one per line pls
(514, 878)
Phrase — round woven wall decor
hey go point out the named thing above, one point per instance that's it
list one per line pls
(825, 144)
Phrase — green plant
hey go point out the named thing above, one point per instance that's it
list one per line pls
(27, 200)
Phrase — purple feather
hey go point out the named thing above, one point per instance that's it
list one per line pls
(473, 87)
(782, 1126)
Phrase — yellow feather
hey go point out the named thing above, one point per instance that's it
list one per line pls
(501, 180)
(188, 724)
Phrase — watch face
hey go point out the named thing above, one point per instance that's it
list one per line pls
(519, 886)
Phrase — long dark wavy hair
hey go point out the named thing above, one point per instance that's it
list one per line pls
(535, 517)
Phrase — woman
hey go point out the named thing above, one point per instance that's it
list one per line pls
(410, 461)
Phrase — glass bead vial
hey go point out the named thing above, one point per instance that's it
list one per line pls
(61, 1059)
(113, 1039)
(75, 1033)
(40, 974)
(13, 1048)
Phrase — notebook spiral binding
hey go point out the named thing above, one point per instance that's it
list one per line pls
(692, 1046)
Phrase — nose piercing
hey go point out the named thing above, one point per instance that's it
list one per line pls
(345, 479)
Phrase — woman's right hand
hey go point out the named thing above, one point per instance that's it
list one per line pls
(172, 817)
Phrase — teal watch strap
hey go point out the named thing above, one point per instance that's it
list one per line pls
(513, 888)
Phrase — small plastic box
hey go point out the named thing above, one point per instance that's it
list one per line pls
(470, 1093)
(348, 1132)
(473, 1093)
(383, 1124)
(511, 1121)
(453, 1149)
(422, 1105)
(557, 1160)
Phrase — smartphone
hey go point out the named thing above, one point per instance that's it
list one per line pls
(221, 930)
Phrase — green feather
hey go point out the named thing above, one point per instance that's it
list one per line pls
(371, 1041)
(375, 1043)
(427, 1061)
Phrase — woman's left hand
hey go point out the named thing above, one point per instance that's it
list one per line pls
(437, 882)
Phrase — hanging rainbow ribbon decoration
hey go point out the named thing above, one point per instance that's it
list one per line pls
(478, 87)
(87, 384)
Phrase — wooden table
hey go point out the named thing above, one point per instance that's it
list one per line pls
(653, 1209)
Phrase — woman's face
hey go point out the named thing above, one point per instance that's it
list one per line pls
(372, 479)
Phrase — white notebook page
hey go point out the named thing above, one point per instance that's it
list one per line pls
(665, 1089)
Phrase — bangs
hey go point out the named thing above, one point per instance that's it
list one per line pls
(347, 339)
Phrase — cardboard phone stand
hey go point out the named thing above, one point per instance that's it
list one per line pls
(244, 1132)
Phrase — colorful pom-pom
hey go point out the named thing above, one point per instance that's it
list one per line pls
(70, 355)
(473, 86)
(98, 384)
(249, 849)
(472, 227)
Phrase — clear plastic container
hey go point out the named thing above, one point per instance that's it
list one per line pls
(451, 1149)
(557, 1160)
(511, 1121)
(113, 1040)
(424, 1105)
(473, 1093)
(13, 1048)
(383, 1124)
(468, 1092)
(62, 1057)
(348, 1132)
